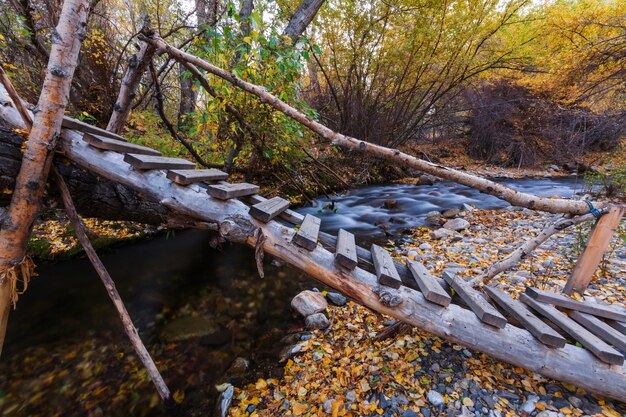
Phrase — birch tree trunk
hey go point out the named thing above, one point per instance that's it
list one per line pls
(31, 181)
(302, 18)
(516, 198)
(137, 65)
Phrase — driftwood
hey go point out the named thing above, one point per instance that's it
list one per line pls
(31, 180)
(552, 205)
(127, 323)
(528, 246)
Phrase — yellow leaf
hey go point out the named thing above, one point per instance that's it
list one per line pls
(299, 408)
(178, 396)
(7, 191)
(609, 412)
(261, 384)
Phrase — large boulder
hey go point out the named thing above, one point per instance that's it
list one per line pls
(309, 302)
(456, 224)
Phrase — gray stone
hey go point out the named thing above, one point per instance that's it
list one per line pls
(328, 406)
(435, 398)
(441, 234)
(576, 402)
(467, 207)
(529, 406)
(409, 413)
(336, 298)
(451, 213)
(456, 224)
(425, 246)
(317, 356)
(309, 302)
(433, 218)
(351, 396)
(548, 413)
(316, 321)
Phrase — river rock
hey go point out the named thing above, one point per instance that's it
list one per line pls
(389, 204)
(433, 218)
(317, 321)
(456, 224)
(467, 207)
(309, 302)
(189, 328)
(336, 298)
(441, 234)
(451, 213)
(427, 179)
(435, 398)
(425, 246)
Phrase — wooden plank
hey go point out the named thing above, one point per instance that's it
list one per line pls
(475, 301)
(428, 284)
(528, 320)
(597, 245)
(269, 209)
(156, 162)
(600, 329)
(600, 310)
(590, 342)
(345, 251)
(385, 269)
(108, 144)
(226, 191)
(618, 325)
(190, 176)
(74, 124)
(306, 236)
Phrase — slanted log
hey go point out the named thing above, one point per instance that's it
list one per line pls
(385, 269)
(428, 284)
(600, 329)
(306, 236)
(600, 310)
(345, 252)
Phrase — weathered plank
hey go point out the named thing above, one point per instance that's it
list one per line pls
(74, 124)
(600, 329)
(345, 251)
(269, 209)
(600, 310)
(428, 284)
(190, 176)
(528, 320)
(384, 267)
(596, 346)
(306, 236)
(475, 301)
(597, 245)
(156, 162)
(226, 191)
(108, 144)
(618, 325)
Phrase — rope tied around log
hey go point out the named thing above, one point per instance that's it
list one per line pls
(596, 213)
(23, 271)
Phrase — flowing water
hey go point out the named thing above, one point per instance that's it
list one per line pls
(169, 277)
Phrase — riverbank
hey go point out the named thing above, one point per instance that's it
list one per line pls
(347, 372)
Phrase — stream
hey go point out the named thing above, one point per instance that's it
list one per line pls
(169, 278)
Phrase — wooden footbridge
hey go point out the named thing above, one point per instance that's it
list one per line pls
(540, 331)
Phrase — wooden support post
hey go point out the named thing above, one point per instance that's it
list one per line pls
(596, 247)
(129, 327)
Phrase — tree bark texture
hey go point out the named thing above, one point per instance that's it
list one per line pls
(137, 65)
(66, 40)
(303, 16)
(516, 198)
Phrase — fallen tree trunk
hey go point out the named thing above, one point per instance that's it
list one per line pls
(516, 198)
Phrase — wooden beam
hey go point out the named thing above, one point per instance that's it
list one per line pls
(618, 325)
(596, 346)
(385, 269)
(75, 124)
(345, 251)
(428, 284)
(306, 236)
(600, 310)
(268, 209)
(190, 176)
(528, 320)
(600, 329)
(144, 162)
(226, 191)
(597, 245)
(115, 145)
(475, 300)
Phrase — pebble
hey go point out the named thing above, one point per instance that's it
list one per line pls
(441, 234)
(351, 396)
(327, 406)
(435, 398)
(409, 413)
(336, 299)
(451, 213)
(425, 246)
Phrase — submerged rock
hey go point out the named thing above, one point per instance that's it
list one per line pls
(309, 302)
(189, 328)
